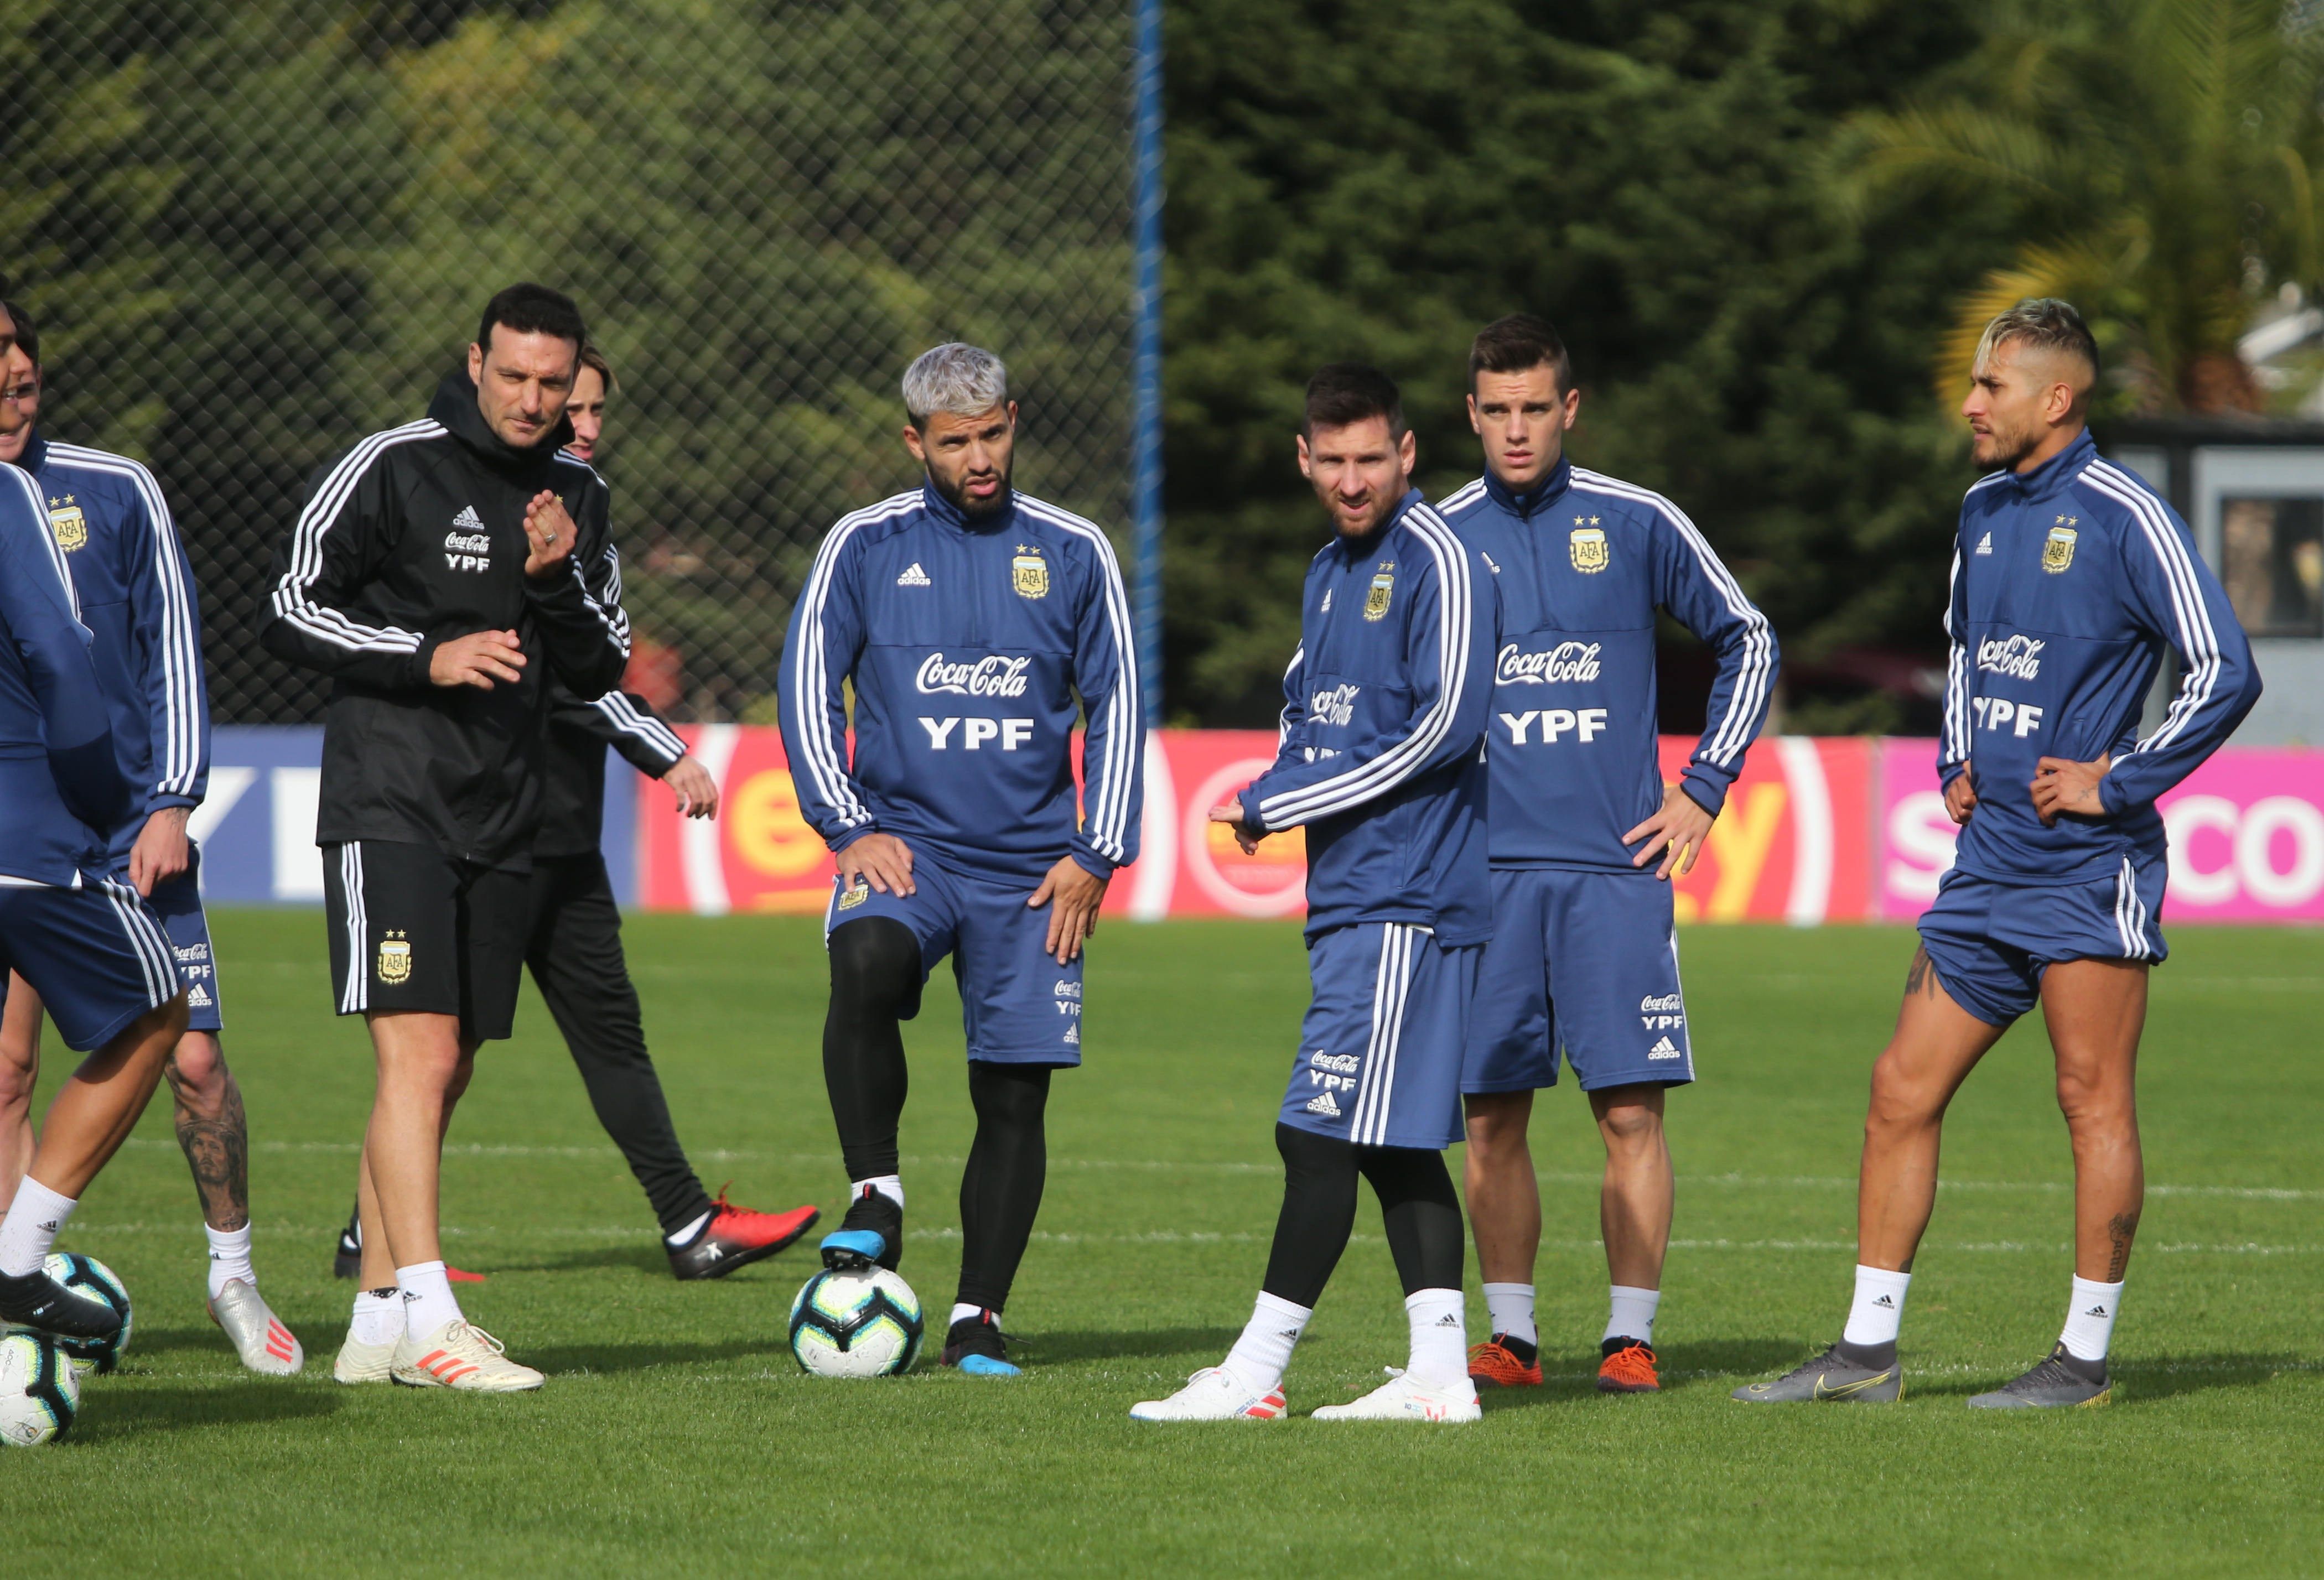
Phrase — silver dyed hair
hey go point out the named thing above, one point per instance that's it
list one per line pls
(955, 376)
(2044, 323)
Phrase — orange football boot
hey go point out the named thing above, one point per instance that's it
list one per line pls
(1629, 1368)
(1494, 1365)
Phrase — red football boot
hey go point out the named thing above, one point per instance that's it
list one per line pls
(1496, 1364)
(735, 1236)
(1629, 1367)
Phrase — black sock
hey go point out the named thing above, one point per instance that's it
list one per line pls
(1001, 1187)
(875, 984)
(1319, 1213)
(1420, 1211)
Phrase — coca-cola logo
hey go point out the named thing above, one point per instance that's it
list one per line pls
(996, 676)
(2018, 657)
(1566, 661)
(1336, 706)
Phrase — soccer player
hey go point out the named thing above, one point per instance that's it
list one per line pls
(2070, 577)
(431, 576)
(137, 597)
(1384, 715)
(85, 940)
(574, 948)
(974, 623)
(1585, 836)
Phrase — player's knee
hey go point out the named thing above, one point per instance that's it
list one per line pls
(1631, 1126)
(2092, 1103)
(1012, 1095)
(875, 966)
(1900, 1100)
(1496, 1124)
(197, 1076)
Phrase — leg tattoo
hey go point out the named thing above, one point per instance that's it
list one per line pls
(1922, 975)
(219, 1152)
(2119, 1232)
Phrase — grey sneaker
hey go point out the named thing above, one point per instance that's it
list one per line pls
(1831, 1377)
(259, 1336)
(2061, 1381)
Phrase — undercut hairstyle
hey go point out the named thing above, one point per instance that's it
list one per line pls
(956, 377)
(1346, 392)
(2046, 324)
(533, 310)
(595, 360)
(1518, 343)
(28, 338)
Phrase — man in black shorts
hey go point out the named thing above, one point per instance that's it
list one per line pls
(432, 576)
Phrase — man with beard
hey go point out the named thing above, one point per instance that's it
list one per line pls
(432, 576)
(974, 623)
(2071, 579)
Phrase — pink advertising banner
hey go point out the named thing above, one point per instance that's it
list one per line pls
(2246, 835)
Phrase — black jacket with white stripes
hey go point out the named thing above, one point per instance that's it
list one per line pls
(413, 538)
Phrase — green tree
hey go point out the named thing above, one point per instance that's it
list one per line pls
(2160, 157)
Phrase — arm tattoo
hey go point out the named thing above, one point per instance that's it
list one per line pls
(2119, 1232)
(219, 1151)
(1921, 977)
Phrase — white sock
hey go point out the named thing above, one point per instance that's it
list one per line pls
(2089, 1319)
(31, 1228)
(427, 1303)
(229, 1257)
(890, 1186)
(961, 1309)
(1631, 1314)
(1879, 1306)
(1263, 1354)
(379, 1316)
(685, 1236)
(1510, 1308)
(1440, 1337)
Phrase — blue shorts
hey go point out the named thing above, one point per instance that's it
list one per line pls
(177, 903)
(1019, 1005)
(96, 956)
(1583, 961)
(1991, 940)
(1380, 1051)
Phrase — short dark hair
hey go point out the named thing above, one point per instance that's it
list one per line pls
(2045, 323)
(533, 310)
(28, 338)
(594, 360)
(1517, 343)
(1344, 393)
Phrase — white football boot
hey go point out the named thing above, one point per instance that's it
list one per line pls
(462, 1357)
(364, 1363)
(259, 1336)
(1400, 1399)
(1213, 1394)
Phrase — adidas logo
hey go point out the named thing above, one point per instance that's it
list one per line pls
(1322, 1103)
(2096, 1311)
(200, 998)
(1886, 1303)
(913, 577)
(467, 520)
(1985, 544)
(1448, 1320)
(1664, 1049)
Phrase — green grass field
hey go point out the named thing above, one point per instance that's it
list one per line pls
(676, 1435)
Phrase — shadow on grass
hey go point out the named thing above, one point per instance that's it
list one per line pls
(639, 1357)
(107, 1414)
(1718, 1365)
(1116, 1344)
(2165, 1375)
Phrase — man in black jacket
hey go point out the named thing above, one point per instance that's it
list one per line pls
(432, 576)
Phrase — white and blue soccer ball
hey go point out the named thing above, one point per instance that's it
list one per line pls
(86, 1275)
(856, 1323)
(40, 1392)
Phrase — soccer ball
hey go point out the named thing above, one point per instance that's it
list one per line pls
(88, 1276)
(856, 1324)
(40, 1392)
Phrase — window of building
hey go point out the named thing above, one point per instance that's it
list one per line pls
(2272, 560)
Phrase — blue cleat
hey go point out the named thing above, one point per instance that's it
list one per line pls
(871, 1235)
(987, 1366)
(975, 1345)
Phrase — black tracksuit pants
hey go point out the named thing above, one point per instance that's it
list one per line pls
(574, 950)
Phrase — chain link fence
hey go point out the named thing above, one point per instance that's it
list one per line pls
(252, 231)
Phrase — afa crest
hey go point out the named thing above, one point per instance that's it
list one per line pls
(1383, 589)
(1029, 573)
(394, 959)
(1588, 546)
(2058, 553)
(69, 524)
(849, 898)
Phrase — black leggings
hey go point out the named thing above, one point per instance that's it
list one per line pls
(1422, 1214)
(875, 986)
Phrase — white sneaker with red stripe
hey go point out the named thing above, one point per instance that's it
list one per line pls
(364, 1363)
(462, 1357)
(1213, 1394)
(259, 1336)
(1401, 1398)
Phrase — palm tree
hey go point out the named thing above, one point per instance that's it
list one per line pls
(2159, 154)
